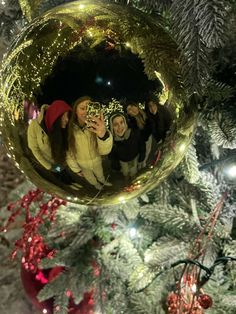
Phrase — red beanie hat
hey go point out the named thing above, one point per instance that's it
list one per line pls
(54, 111)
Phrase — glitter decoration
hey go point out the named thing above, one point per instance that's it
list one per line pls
(31, 244)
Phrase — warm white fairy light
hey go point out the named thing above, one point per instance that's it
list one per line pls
(231, 171)
(132, 232)
(90, 33)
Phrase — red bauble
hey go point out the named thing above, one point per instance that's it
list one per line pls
(34, 282)
(32, 286)
(54, 272)
(205, 301)
(172, 298)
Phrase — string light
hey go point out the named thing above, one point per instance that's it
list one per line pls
(132, 233)
(230, 171)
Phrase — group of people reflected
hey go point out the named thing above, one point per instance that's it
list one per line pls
(64, 138)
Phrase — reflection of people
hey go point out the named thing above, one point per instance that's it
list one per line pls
(30, 110)
(88, 140)
(159, 116)
(47, 135)
(139, 120)
(129, 147)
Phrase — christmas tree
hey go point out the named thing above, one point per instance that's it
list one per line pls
(173, 249)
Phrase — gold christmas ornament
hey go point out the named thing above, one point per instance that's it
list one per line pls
(114, 175)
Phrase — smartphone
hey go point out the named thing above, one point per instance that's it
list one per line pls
(94, 109)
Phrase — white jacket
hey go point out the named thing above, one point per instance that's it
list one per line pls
(38, 141)
(89, 149)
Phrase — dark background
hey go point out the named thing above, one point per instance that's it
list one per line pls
(87, 71)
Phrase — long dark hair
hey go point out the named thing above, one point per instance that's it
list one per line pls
(154, 98)
(140, 118)
(58, 138)
(73, 122)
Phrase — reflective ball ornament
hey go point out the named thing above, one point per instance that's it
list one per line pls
(84, 25)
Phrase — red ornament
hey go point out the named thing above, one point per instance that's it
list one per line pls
(40, 276)
(54, 272)
(32, 286)
(113, 226)
(172, 298)
(205, 301)
(33, 283)
(31, 244)
(96, 269)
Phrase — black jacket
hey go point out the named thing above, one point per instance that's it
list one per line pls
(128, 149)
(145, 132)
(160, 123)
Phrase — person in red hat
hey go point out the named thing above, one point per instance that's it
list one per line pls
(47, 135)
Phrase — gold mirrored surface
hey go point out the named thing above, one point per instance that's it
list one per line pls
(31, 60)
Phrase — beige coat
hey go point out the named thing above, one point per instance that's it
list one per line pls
(89, 149)
(38, 141)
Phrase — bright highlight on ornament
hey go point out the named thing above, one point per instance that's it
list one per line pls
(182, 147)
(122, 199)
(45, 311)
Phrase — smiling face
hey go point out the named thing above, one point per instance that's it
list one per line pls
(119, 126)
(64, 119)
(132, 110)
(81, 112)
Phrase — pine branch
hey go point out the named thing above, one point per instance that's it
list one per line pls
(149, 6)
(150, 301)
(194, 54)
(209, 191)
(55, 287)
(222, 128)
(160, 256)
(61, 302)
(189, 165)
(211, 18)
(220, 286)
(172, 219)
